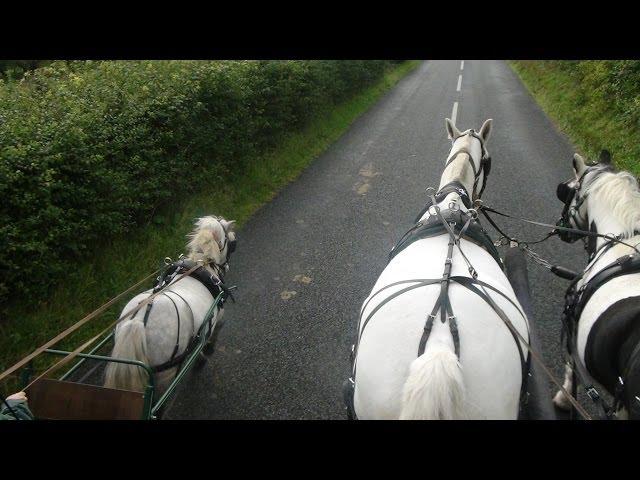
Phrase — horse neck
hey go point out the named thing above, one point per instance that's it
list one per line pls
(459, 170)
(605, 222)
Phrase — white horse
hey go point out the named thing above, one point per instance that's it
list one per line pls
(608, 329)
(485, 381)
(175, 316)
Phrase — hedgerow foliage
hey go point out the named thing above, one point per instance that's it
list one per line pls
(89, 150)
(615, 83)
(595, 102)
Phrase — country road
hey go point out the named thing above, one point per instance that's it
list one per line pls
(306, 261)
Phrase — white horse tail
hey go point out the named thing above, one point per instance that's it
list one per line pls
(434, 389)
(131, 344)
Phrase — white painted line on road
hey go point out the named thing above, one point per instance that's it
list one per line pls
(454, 112)
(462, 65)
(459, 83)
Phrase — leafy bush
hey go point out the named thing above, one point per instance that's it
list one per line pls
(596, 102)
(89, 150)
(11, 69)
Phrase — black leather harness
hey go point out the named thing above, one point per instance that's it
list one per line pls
(212, 282)
(576, 300)
(460, 222)
(457, 224)
(485, 161)
(617, 315)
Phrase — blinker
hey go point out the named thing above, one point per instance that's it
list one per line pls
(564, 192)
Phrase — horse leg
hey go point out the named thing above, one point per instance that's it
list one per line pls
(209, 347)
(561, 400)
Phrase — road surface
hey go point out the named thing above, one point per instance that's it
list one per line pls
(306, 261)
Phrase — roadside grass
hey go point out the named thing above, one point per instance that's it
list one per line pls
(118, 265)
(587, 119)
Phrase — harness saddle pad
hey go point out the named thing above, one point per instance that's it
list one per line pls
(433, 226)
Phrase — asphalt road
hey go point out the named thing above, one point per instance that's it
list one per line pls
(306, 261)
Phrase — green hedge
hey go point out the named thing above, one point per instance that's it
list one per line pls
(615, 84)
(596, 102)
(90, 150)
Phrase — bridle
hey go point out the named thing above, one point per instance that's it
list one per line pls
(570, 193)
(485, 161)
(231, 244)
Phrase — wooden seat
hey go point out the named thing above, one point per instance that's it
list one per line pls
(51, 399)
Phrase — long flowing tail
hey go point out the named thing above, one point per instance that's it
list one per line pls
(434, 389)
(130, 343)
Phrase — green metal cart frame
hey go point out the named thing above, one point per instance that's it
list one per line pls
(151, 407)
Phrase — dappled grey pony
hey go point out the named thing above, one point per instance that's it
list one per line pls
(159, 335)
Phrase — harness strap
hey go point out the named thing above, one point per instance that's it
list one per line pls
(177, 346)
(470, 158)
(576, 301)
(193, 320)
(215, 286)
(441, 304)
(559, 228)
(473, 232)
(451, 187)
(524, 363)
(147, 311)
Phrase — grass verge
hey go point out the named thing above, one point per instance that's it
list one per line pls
(589, 120)
(127, 260)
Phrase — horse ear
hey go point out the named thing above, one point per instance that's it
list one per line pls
(485, 130)
(229, 225)
(452, 131)
(605, 157)
(579, 165)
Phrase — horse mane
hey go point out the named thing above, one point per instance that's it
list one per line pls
(619, 193)
(203, 240)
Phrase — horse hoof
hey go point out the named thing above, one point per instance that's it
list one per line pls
(561, 401)
(201, 361)
(208, 349)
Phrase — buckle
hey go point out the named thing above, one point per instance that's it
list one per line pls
(592, 393)
(619, 388)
